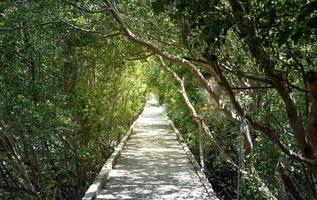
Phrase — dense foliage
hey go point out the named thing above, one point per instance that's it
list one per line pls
(67, 98)
(238, 76)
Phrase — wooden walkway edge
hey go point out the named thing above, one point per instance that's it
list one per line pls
(202, 176)
(155, 163)
(104, 173)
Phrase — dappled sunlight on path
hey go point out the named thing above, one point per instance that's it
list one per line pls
(153, 164)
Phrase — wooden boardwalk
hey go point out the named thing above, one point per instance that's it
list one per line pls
(153, 164)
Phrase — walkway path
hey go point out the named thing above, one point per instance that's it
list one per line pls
(153, 164)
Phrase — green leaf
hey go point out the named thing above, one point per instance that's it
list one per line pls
(307, 10)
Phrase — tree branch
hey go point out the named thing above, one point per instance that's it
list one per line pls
(253, 87)
(75, 5)
(169, 42)
(288, 183)
(73, 26)
(92, 30)
(202, 124)
(247, 29)
(270, 133)
(140, 57)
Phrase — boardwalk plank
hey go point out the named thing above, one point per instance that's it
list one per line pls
(153, 165)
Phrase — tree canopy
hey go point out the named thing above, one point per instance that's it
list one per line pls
(238, 77)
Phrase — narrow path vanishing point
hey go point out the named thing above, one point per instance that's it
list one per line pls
(153, 164)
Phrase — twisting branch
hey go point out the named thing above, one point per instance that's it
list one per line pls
(266, 131)
(288, 183)
(251, 88)
(91, 30)
(73, 26)
(257, 126)
(140, 57)
(16, 188)
(205, 65)
(258, 52)
(201, 123)
(75, 5)
(10, 147)
(215, 70)
(247, 75)
(199, 120)
(168, 42)
(175, 59)
(256, 78)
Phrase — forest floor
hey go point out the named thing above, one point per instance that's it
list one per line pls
(153, 164)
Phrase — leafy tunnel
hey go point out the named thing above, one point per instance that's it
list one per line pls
(237, 77)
